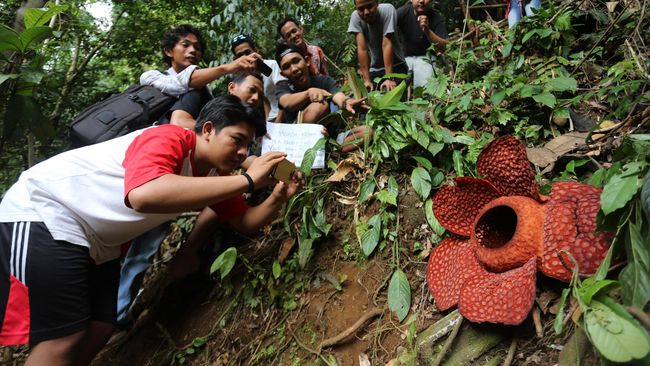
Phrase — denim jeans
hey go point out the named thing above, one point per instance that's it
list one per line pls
(137, 260)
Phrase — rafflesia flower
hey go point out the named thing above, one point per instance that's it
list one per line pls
(504, 231)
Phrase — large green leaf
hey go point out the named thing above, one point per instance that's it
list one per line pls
(545, 98)
(5, 77)
(310, 155)
(392, 97)
(421, 182)
(366, 189)
(562, 83)
(399, 294)
(592, 287)
(615, 337)
(9, 39)
(356, 84)
(32, 36)
(558, 323)
(370, 238)
(304, 251)
(635, 277)
(431, 218)
(35, 16)
(645, 197)
(618, 191)
(224, 262)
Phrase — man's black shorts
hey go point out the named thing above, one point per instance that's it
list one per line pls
(50, 289)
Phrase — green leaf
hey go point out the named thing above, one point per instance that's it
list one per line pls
(635, 277)
(366, 189)
(497, 97)
(356, 84)
(591, 287)
(392, 97)
(224, 262)
(617, 192)
(645, 197)
(424, 162)
(386, 197)
(31, 36)
(310, 156)
(431, 218)
(545, 98)
(421, 182)
(399, 294)
(615, 337)
(5, 77)
(435, 147)
(198, 342)
(562, 83)
(277, 269)
(9, 39)
(24, 113)
(558, 323)
(370, 238)
(35, 16)
(458, 163)
(304, 251)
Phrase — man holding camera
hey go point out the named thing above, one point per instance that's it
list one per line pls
(59, 244)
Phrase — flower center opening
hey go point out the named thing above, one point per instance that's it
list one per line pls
(496, 227)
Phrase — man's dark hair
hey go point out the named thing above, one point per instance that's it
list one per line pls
(171, 37)
(239, 77)
(228, 110)
(285, 21)
(283, 48)
(239, 39)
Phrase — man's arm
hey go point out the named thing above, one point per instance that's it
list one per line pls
(297, 101)
(171, 193)
(364, 59)
(202, 77)
(387, 51)
(182, 118)
(440, 42)
(174, 85)
(257, 217)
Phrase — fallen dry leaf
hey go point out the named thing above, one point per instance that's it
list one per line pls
(566, 143)
(285, 249)
(541, 156)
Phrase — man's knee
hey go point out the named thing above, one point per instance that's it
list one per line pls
(58, 351)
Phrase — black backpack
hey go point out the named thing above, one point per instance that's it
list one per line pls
(137, 107)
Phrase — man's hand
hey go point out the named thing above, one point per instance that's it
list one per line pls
(245, 63)
(424, 23)
(317, 95)
(387, 85)
(284, 191)
(349, 104)
(260, 169)
(368, 85)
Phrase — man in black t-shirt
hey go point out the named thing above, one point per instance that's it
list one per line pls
(316, 96)
(420, 26)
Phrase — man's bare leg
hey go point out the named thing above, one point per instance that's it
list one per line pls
(56, 352)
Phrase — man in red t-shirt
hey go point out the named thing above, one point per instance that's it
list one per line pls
(63, 222)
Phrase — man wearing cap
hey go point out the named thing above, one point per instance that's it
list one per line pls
(379, 49)
(243, 45)
(312, 95)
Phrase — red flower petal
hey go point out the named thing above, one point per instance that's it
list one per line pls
(500, 298)
(509, 232)
(570, 224)
(451, 263)
(456, 206)
(504, 163)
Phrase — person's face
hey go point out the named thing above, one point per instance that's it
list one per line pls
(243, 49)
(187, 51)
(292, 33)
(420, 6)
(228, 147)
(367, 9)
(250, 90)
(294, 67)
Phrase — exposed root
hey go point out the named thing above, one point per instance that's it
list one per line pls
(640, 315)
(511, 352)
(539, 330)
(448, 343)
(351, 330)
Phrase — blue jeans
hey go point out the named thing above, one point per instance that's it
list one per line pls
(137, 260)
(515, 14)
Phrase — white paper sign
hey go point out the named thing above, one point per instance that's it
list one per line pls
(294, 139)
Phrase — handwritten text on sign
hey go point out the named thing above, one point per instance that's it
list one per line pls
(294, 139)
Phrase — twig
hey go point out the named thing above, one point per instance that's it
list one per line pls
(511, 352)
(640, 315)
(351, 330)
(295, 338)
(448, 343)
(636, 60)
(538, 323)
